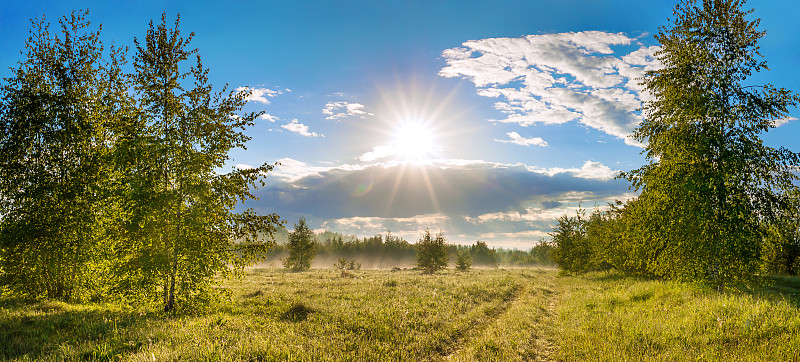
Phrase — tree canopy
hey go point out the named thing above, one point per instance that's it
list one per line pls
(710, 187)
(108, 190)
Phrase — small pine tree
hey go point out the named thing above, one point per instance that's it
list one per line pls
(431, 252)
(302, 249)
(464, 261)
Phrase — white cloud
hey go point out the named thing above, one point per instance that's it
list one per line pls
(589, 170)
(408, 228)
(377, 153)
(259, 94)
(268, 117)
(596, 170)
(299, 128)
(291, 170)
(504, 204)
(783, 121)
(342, 109)
(558, 78)
(522, 141)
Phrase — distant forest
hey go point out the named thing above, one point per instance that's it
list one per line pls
(389, 251)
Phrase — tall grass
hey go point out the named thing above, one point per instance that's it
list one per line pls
(479, 315)
(274, 315)
(604, 317)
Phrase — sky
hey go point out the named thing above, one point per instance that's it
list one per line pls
(483, 120)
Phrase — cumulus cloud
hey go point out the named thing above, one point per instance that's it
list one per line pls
(589, 170)
(259, 95)
(504, 204)
(268, 117)
(452, 188)
(301, 129)
(342, 109)
(516, 139)
(290, 170)
(558, 78)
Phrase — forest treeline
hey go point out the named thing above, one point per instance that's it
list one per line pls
(110, 170)
(716, 204)
(390, 251)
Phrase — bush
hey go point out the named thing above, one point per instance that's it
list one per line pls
(571, 250)
(344, 264)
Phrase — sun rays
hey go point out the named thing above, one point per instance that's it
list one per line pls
(414, 142)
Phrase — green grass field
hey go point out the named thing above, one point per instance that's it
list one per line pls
(480, 315)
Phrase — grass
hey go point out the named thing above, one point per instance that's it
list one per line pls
(479, 315)
(605, 317)
(274, 315)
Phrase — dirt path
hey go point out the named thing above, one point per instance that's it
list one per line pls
(543, 338)
(521, 329)
(476, 329)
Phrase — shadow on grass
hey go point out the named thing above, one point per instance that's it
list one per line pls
(776, 287)
(768, 287)
(297, 312)
(616, 276)
(37, 330)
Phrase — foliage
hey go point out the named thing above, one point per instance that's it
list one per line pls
(109, 182)
(571, 250)
(431, 252)
(780, 253)
(463, 261)
(388, 251)
(482, 255)
(60, 115)
(710, 182)
(344, 264)
(182, 231)
(301, 246)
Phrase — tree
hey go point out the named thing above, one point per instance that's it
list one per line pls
(301, 246)
(780, 253)
(431, 252)
(60, 116)
(482, 255)
(571, 249)
(710, 182)
(464, 260)
(181, 228)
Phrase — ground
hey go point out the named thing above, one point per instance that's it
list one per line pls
(478, 315)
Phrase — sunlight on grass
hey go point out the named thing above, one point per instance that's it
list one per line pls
(479, 315)
(275, 315)
(610, 319)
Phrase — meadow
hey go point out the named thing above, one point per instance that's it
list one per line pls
(478, 315)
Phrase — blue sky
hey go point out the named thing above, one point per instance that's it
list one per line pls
(485, 120)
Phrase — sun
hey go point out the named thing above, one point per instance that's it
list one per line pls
(414, 141)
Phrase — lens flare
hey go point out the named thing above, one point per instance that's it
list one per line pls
(363, 188)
